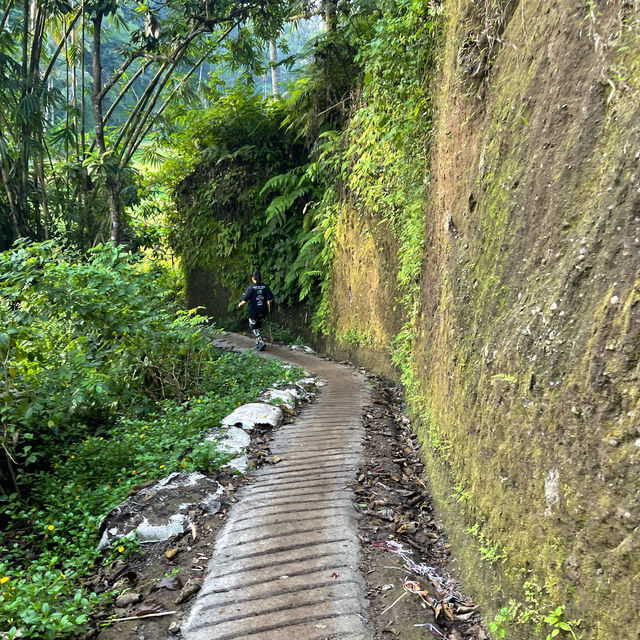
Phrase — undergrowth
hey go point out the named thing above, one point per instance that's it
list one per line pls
(104, 387)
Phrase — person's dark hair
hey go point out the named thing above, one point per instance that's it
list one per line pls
(256, 275)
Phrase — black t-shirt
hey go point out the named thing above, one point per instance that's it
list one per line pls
(257, 296)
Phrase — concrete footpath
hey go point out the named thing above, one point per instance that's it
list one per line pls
(285, 565)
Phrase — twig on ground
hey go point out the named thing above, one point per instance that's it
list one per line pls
(149, 615)
(395, 603)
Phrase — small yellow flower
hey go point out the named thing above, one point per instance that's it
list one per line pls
(72, 457)
(162, 466)
(4, 579)
(101, 438)
(51, 527)
(121, 549)
(133, 473)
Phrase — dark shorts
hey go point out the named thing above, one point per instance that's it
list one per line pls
(255, 323)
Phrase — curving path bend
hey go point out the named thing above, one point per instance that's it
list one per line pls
(285, 566)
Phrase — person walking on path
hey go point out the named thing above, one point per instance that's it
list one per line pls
(259, 298)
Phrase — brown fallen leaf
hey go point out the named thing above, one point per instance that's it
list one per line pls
(448, 611)
(172, 584)
(465, 608)
(478, 632)
(172, 553)
(465, 616)
(150, 607)
(188, 591)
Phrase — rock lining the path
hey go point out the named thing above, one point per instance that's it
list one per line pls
(236, 441)
(286, 397)
(255, 413)
(157, 512)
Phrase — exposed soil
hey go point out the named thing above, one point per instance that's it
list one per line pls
(157, 584)
(405, 554)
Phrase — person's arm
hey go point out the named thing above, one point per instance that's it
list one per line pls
(245, 297)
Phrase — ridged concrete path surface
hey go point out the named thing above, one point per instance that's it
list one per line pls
(285, 565)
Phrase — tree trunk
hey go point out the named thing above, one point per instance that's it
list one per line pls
(96, 94)
(112, 182)
(113, 198)
(330, 14)
(273, 61)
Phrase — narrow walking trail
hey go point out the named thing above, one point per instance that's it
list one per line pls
(285, 565)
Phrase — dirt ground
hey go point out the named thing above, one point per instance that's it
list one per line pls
(405, 554)
(400, 541)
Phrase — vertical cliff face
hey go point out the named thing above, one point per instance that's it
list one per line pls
(365, 316)
(528, 330)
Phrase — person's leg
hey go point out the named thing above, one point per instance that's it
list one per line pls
(255, 325)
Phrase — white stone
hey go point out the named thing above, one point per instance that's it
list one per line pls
(161, 510)
(614, 300)
(249, 415)
(240, 463)
(287, 397)
(235, 440)
(147, 532)
(177, 480)
(301, 347)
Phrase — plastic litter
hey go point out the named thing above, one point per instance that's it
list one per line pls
(445, 598)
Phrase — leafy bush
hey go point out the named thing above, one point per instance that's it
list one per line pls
(41, 603)
(85, 338)
(103, 386)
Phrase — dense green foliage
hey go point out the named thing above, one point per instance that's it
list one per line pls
(254, 179)
(83, 339)
(389, 144)
(232, 157)
(263, 183)
(103, 386)
(84, 85)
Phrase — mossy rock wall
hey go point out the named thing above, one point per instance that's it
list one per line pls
(363, 314)
(528, 334)
(204, 290)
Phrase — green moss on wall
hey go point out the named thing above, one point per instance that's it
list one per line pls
(528, 377)
(520, 340)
